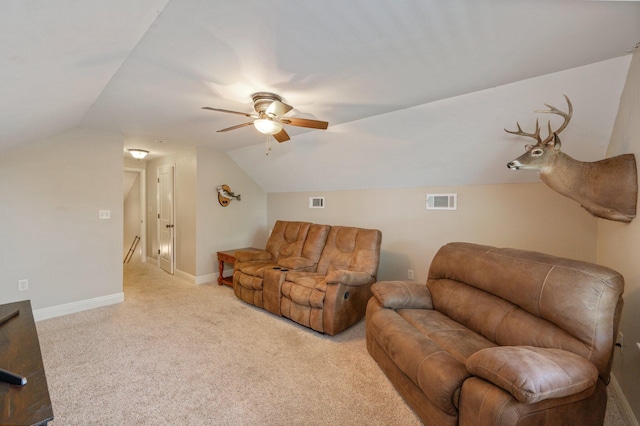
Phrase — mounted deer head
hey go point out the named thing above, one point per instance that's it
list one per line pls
(606, 188)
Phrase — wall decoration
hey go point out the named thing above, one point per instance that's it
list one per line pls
(607, 188)
(225, 195)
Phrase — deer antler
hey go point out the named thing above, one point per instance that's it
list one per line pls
(553, 110)
(520, 132)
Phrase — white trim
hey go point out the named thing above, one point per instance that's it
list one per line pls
(185, 276)
(208, 278)
(202, 279)
(79, 306)
(623, 404)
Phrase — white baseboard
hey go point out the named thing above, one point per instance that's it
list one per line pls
(202, 279)
(81, 305)
(623, 403)
(185, 276)
(208, 278)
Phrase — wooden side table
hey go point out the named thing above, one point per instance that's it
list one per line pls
(228, 256)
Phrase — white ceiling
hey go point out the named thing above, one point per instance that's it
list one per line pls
(416, 92)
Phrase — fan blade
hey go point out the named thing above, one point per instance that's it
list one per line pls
(278, 108)
(305, 122)
(236, 127)
(281, 136)
(231, 112)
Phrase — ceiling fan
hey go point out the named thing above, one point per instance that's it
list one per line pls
(270, 117)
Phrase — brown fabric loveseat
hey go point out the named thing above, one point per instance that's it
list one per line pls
(319, 276)
(499, 337)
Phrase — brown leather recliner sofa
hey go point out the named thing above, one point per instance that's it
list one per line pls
(500, 337)
(319, 276)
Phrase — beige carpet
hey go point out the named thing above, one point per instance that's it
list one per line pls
(176, 353)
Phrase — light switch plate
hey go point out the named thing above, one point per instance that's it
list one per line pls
(23, 285)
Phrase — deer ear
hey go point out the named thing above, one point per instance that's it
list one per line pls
(528, 147)
(555, 142)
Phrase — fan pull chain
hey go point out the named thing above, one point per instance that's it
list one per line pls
(268, 149)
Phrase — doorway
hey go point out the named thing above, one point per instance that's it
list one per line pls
(134, 207)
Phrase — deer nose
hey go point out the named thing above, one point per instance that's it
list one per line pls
(512, 165)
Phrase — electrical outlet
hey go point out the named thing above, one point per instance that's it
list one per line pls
(23, 285)
(410, 274)
(620, 342)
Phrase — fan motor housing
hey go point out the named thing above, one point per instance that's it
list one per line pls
(262, 100)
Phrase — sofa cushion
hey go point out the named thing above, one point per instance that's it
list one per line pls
(305, 291)
(533, 374)
(352, 278)
(250, 282)
(287, 239)
(352, 249)
(402, 294)
(453, 337)
(296, 275)
(315, 242)
(427, 364)
(255, 268)
(296, 263)
(251, 255)
(498, 320)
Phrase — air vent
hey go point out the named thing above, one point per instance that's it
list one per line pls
(442, 201)
(316, 202)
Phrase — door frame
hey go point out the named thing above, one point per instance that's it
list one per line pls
(142, 175)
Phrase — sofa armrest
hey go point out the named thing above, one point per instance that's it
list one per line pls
(402, 295)
(296, 263)
(248, 255)
(533, 374)
(352, 278)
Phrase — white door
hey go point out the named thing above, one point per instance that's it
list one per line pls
(165, 218)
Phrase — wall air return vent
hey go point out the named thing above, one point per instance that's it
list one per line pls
(316, 202)
(442, 201)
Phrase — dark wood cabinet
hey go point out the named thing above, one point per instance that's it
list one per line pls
(29, 404)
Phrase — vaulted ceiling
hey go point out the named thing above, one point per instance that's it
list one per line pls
(416, 92)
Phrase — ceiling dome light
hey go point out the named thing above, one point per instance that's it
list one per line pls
(267, 126)
(138, 154)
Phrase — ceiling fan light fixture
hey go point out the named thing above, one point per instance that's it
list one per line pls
(138, 154)
(267, 126)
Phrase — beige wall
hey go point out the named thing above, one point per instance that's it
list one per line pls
(619, 244)
(184, 207)
(51, 193)
(240, 224)
(528, 216)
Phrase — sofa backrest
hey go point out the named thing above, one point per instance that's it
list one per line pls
(515, 297)
(315, 242)
(287, 239)
(351, 249)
